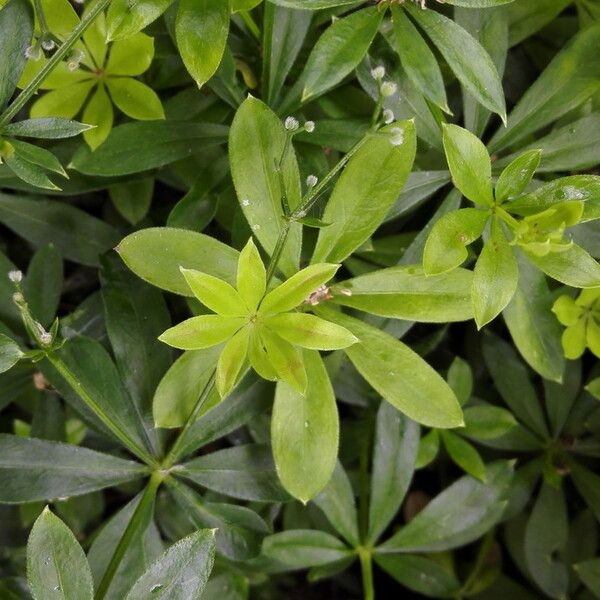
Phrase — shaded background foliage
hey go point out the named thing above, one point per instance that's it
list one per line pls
(508, 505)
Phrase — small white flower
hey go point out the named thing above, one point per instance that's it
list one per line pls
(46, 338)
(388, 116)
(346, 292)
(291, 124)
(256, 227)
(378, 73)
(15, 276)
(312, 180)
(33, 52)
(246, 202)
(48, 44)
(397, 136)
(309, 126)
(388, 88)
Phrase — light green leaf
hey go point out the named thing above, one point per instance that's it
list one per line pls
(251, 276)
(10, 353)
(132, 56)
(256, 144)
(63, 103)
(568, 81)
(135, 98)
(310, 332)
(312, 4)
(429, 447)
(418, 60)
(232, 361)
(460, 379)
(574, 267)
(124, 17)
(156, 255)
(181, 572)
(132, 199)
(202, 332)
(487, 422)
(297, 288)
(285, 359)
(464, 455)
(216, 294)
(201, 29)
(407, 293)
(16, 32)
(305, 432)
(400, 375)
(394, 457)
(182, 385)
(534, 329)
(516, 176)
(56, 564)
(460, 514)
(468, 59)
(445, 248)
(365, 192)
(32, 470)
(495, 277)
(339, 50)
(49, 128)
(469, 164)
(98, 112)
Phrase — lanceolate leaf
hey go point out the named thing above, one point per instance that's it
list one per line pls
(125, 18)
(400, 375)
(365, 192)
(305, 432)
(32, 469)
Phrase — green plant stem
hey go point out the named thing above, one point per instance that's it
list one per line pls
(174, 452)
(366, 567)
(136, 521)
(39, 12)
(89, 401)
(22, 99)
(250, 24)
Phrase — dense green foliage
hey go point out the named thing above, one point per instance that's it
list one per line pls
(299, 299)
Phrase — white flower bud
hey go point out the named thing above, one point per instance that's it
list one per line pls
(388, 116)
(312, 180)
(397, 136)
(33, 52)
(309, 126)
(15, 276)
(48, 44)
(378, 73)
(388, 88)
(46, 338)
(291, 124)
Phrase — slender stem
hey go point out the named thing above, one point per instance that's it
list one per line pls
(277, 252)
(250, 24)
(91, 403)
(174, 452)
(366, 568)
(61, 53)
(133, 527)
(39, 12)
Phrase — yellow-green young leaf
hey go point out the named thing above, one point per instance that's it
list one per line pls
(445, 248)
(10, 353)
(516, 176)
(469, 164)
(460, 379)
(98, 112)
(429, 447)
(201, 332)
(495, 277)
(257, 355)
(567, 311)
(182, 385)
(308, 331)
(574, 340)
(593, 337)
(407, 293)
(132, 56)
(464, 455)
(215, 294)
(297, 288)
(135, 98)
(365, 191)
(400, 375)
(201, 29)
(418, 60)
(487, 422)
(574, 267)
(256, 143)
(56, 564)
(305, 432)
(251, 276)
(231, 361)
(469, 60)
(339, 50)
(63, 103)
(286, 360)
(126, 17)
